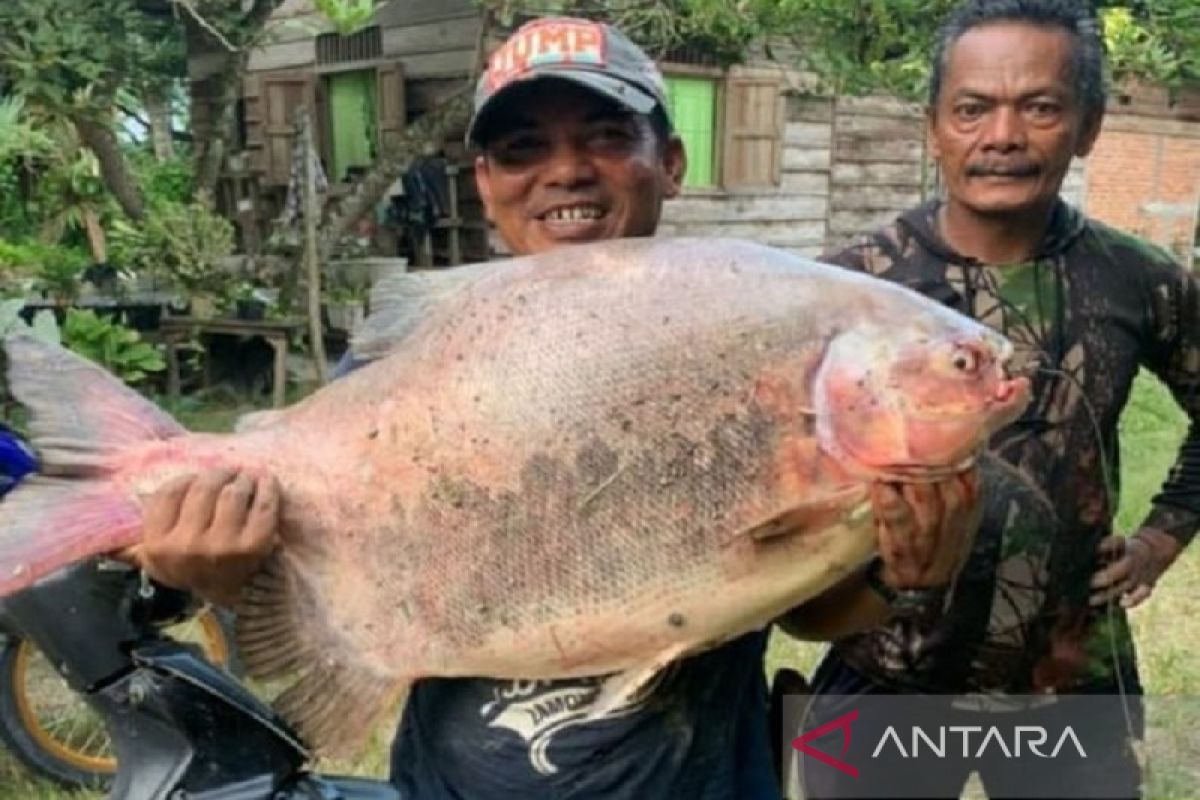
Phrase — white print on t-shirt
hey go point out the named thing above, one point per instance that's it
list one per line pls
(537, 710)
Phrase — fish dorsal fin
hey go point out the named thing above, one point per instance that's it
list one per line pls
(257, 420)
(333, 697)
(400, 301)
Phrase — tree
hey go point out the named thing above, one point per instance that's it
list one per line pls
(236, 32)
(856, 46)
(885, 44)
(1155, 40)
(84, 60)
(70, 59)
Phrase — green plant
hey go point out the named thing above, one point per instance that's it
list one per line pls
(170, 181)
(25, 144)
(60, 279)
(15, 274)
(71, 196)
(113, 346)
(244, 290)
(16, 219)
(32, 264)
(346, 295)
(1134, 51)
(348, 16)
(18, 137)
(181, 241)
(17, 256)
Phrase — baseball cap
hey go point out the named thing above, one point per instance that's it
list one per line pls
(594, 55)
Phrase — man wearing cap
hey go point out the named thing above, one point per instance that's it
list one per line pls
(575, 145)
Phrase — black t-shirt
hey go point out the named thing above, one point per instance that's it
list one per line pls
(700, 734)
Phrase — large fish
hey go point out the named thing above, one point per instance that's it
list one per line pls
(591, 461)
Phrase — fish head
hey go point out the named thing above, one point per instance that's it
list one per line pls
(915, 400)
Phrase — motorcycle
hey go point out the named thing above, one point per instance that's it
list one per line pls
(179, 725)
(51, 730)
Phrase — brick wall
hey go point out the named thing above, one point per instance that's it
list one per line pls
(1144, 177)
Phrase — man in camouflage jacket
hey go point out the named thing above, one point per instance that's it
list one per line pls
(1017, 92)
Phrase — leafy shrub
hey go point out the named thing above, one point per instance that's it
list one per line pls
(113, 346)
(1134, 50)
(181, 241)
(16, 217)
(32, 254)
(32, 264)
(110, 344)
(170, 181)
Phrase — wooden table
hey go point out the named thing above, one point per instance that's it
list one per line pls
(276, 332)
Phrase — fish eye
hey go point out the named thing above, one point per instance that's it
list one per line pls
(964, 360)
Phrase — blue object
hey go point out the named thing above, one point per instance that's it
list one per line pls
(16, 460)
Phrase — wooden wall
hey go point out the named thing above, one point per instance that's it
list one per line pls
(848, 165)
(879, 166)
(431, 38)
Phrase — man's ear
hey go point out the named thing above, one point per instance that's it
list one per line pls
(483, 182)
(1089, 134)
(674, 162)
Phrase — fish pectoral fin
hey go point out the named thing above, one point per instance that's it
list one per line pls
(817, 512)
(627, 689)
(333, 697)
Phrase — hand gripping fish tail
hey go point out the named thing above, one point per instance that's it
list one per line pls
(81, 420)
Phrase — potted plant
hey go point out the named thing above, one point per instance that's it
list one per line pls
(345, 308)
(59, 274)
(248, 303)
(184, 242)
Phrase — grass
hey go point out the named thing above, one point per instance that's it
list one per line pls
(1165, 628)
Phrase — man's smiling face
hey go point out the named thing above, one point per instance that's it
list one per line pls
(561, 165)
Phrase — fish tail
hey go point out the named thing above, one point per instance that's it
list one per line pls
(81, 419)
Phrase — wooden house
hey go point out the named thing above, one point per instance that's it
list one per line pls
(358, 89)
(771, 157)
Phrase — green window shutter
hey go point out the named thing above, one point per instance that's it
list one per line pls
(693, 112)
(352, 121)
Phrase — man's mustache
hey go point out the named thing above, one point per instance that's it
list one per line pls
(1008, 169)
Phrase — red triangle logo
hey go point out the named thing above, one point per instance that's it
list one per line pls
(800, 743)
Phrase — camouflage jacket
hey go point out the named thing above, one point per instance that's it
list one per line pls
(1092, 307)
